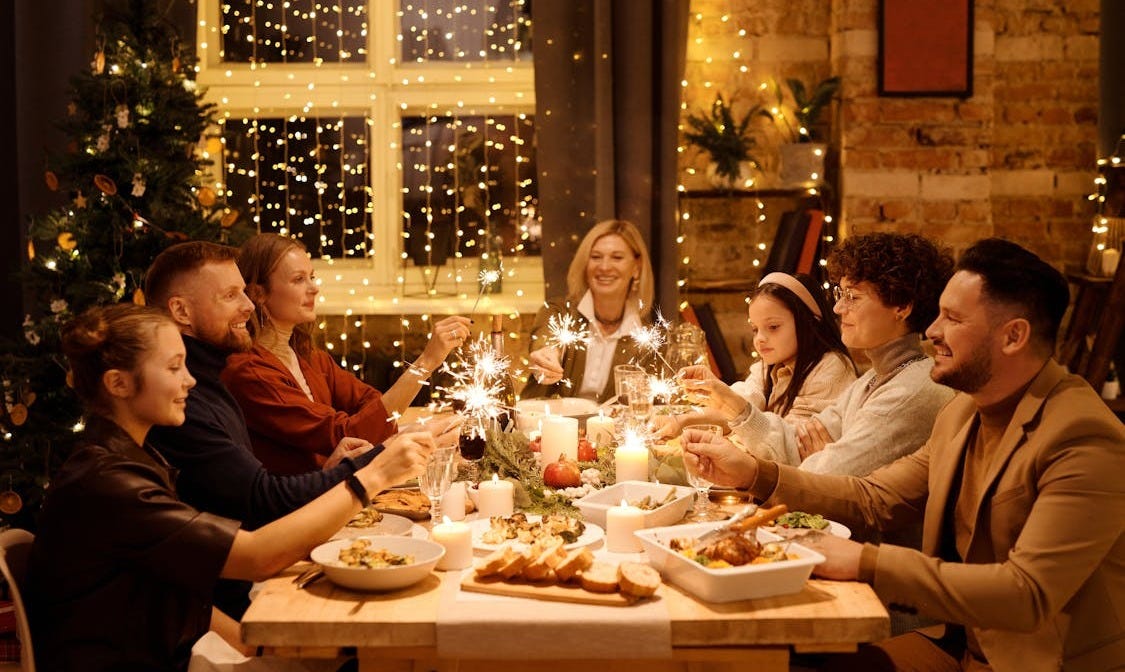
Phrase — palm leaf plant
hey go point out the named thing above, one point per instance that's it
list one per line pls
(723, 137)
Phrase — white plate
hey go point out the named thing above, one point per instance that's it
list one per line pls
(390, 525)
(834, 528)
(592, 534)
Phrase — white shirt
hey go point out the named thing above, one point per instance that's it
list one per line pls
(600, 348)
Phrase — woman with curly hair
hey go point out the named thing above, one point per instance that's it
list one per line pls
(886, 294)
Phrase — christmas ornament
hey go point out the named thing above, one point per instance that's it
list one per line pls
(52, 180)
(30, 251)
(103, 142)
(67, 241)
(70, 378)
(138, 185)
(10, 502)
(80, 201)
(122, 112)
(18, 414)
(206, 197)
(176, 65)
(106, 185)
(229, 219)
(71, 109)
(99, 63)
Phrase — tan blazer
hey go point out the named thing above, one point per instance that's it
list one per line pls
(1043, 583)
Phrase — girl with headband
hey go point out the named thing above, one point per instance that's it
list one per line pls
(802, 365)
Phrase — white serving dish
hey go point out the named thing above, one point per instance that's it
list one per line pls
(426, 555)
(529, 411)
(594, 505)
(730, 584)
(390, 525)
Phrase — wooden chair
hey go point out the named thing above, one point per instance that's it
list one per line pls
(15, 547)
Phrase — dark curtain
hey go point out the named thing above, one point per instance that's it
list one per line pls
(607, 90)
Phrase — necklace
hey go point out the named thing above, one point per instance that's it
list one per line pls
(878, 380)
(609, 323)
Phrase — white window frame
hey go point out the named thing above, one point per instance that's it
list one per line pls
(383, 90)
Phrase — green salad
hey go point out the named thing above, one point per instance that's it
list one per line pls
(800, 519)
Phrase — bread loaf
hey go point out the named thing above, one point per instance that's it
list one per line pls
(600, 577)
(575, 561)
(637, 580)
(491, 564)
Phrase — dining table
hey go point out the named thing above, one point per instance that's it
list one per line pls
(437, 624)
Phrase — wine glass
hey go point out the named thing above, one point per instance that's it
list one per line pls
(435, 479)
(703, 510)
(471, 445)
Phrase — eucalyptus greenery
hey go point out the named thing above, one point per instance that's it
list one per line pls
(725, 138)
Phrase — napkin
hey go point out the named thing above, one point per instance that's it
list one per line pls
(476, 625)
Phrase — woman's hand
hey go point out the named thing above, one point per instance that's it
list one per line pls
(349, 446)
(717, 459)
(449, 333)
(665, 426)
(546, 364)
(812, 437)
(404, 457)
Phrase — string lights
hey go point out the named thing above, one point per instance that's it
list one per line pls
(392, 139)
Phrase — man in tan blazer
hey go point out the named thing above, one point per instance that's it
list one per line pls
(1020, 489)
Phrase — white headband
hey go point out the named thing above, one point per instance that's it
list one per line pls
(794, 285)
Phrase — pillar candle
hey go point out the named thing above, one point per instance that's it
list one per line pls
(620, 523)
(453, 503)
(631, 462)
(560, 435)
(599, 430)
(457, 539)
(495, 497)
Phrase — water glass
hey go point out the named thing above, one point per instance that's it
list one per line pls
(703, 510)
(435, 479)
(620, 373)
(639, 393)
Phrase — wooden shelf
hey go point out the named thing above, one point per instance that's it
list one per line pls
(751, 193)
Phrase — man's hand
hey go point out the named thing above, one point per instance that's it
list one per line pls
(812, 437)
(842, 563)
(718, 460)
(546, 364)
(349, 446)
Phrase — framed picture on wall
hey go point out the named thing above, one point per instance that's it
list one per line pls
(926, 48)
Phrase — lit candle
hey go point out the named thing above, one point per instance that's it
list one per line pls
(631, 460)
(495, 497)
(600, 430)
(453, 503)
(560, 436)
(457, 539)
(620, 524)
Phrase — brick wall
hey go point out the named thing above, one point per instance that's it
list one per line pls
(1014, 160)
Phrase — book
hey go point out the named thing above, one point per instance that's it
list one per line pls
(787, 242)
(807, 260)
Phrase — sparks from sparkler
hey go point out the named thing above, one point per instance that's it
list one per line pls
(476, 385)
(565, 331)
(486, 279)
(653, 338)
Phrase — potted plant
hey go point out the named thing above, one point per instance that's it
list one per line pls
(727, 141)
(802, 159)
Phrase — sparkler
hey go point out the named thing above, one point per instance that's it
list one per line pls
(476, 386)
(486, 279)
(653, 338)
(567, 331)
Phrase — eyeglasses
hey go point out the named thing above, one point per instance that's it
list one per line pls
(846, 295)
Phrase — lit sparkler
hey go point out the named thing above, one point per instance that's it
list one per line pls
(476, 387)
(486, 279)
(566, 331)
(653, 338)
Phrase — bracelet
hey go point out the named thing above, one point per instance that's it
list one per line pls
(358, 490)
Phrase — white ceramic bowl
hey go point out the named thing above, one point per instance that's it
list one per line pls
(426, 555)
(746, 582)
(594, 505)
(529, 411)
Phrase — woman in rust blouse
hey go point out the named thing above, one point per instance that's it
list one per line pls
(297, 400)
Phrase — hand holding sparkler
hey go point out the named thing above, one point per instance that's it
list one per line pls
(563, 331)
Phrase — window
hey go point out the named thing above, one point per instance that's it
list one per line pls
(394, 139)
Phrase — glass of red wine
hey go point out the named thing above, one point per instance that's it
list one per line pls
(471, 445)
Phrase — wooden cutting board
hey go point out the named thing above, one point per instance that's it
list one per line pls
(553, 592)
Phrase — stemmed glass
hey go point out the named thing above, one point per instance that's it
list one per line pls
(435, 479)
(639, 393)
(703, 510)
(471, 445)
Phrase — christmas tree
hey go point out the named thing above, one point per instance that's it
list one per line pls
(132, 181)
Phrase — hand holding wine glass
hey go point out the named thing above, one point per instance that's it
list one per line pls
(703, 510)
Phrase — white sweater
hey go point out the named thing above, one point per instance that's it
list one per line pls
(825, 383)
(868, 431)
